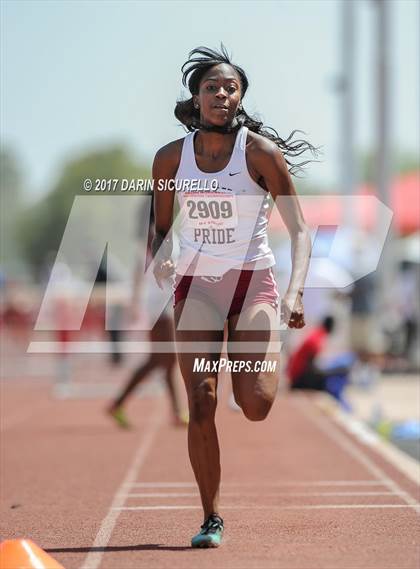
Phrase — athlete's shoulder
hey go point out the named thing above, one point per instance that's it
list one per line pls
(168, 157)
(264, 154)
(260, 145)
(170, 151)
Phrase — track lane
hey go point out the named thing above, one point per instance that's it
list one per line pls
(292, 496)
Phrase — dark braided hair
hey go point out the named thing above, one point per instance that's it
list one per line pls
(201, 59)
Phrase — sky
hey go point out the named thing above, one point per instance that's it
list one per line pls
(77, 75)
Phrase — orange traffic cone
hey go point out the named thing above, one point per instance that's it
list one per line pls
(25, 554)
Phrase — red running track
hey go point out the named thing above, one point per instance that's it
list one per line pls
(297, 493)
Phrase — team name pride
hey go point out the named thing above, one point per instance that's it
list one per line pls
(212, 218)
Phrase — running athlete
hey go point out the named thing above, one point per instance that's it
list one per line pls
(223, 274)
(162, 331)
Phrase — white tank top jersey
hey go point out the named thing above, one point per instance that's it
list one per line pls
(223, 216)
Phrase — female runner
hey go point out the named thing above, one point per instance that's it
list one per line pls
(223, 274)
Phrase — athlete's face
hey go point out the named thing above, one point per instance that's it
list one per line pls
(219, 95)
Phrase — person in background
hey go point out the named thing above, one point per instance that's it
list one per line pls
(304, 372)
(408, 305)
(113, 332)
(364, 333)
(162, 331)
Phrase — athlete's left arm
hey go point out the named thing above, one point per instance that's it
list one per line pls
(268, 161)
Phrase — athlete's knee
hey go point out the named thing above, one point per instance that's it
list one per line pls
(202, 399)
(257, 409)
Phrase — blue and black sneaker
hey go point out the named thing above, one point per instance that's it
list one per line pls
(211, 533)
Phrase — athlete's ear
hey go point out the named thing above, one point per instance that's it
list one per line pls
(195, 102)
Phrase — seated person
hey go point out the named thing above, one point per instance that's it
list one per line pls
(302, 370)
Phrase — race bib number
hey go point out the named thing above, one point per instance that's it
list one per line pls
(216, 211)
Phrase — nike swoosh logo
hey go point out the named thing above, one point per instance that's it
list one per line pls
(234, 173)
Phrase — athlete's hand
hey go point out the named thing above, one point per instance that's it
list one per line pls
(163, 270)
(292, 310)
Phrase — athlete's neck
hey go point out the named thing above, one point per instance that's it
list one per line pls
(213, 144)
(214, 141)
(228, 128)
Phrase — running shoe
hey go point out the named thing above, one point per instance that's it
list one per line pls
(119, 416)
(211, 533)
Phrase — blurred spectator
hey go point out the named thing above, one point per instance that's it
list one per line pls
(365, 338)
(146, 294)
(303, 370)
(409, 305)
(407, 301)
(116, 309)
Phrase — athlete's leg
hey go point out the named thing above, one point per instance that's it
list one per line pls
(255, 390)
(139, 374)
(161, 332)
(201, 386)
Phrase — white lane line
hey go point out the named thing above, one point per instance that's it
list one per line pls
(93, 559)
(262, 484)
(272, 507)
(252, 494)
(331, 430)
(406, 464)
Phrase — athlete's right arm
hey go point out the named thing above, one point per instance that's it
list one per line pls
(165, 166)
